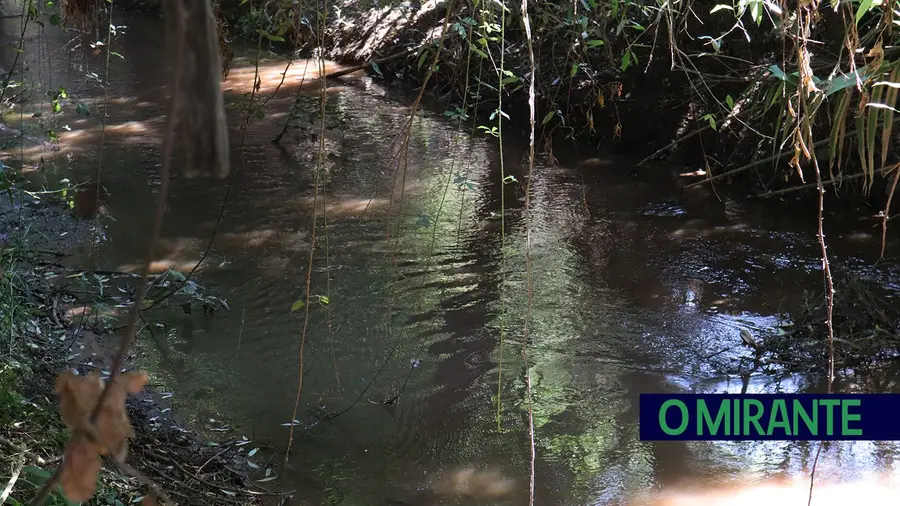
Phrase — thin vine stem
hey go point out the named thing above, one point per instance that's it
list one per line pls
(143, 284)
(97, 185)
(502, 209)
(528, 265)
(323, 97)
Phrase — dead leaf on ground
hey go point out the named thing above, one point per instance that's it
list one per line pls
(150, 500)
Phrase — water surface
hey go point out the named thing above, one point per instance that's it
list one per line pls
(635, 286)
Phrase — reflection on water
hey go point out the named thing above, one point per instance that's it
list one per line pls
(635, 287)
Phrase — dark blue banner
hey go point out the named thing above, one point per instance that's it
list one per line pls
(784, 417)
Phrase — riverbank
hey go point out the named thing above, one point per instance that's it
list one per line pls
(709, 100)
(49, 324)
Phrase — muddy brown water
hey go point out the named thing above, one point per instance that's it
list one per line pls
(634, 284)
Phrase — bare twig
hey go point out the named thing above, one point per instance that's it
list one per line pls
(15, 476)
(528, 260)
(766, 160)
(37, 459)
(810, 185)
(802, 135)
(128, 469)
(320, 163)
(672, 144)
(395, 56)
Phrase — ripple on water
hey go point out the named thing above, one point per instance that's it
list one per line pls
(627, 297)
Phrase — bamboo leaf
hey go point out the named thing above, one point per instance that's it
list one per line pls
(871, 130)
(843, 81)
(879, 105)
(861, 139)
(837, 130)
(890, 100)
(864, 7)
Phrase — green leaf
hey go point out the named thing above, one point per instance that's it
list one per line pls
(777, 72)
(477, 51)
(729, 101)
(721, 7)
(297, 305)
(37, 472)
(756, 11)
(82, 109)
(273, 38)
(56, 106)
(376, 68)
(270, 478)
(177, 275)
(574, 70)
(548, 117)
(626, 60)
(864, 7)
(324, 299)
(594, 43)
(842, 82)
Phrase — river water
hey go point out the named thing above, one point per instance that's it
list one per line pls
(635, 286)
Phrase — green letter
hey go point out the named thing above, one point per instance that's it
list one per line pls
(829, 417)
(779, 407)
(811, 424)
(847, 417)
(662, 417)
(703, 416)
(754, 419)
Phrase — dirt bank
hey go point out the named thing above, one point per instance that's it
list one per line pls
(611, 77)
(47, 330)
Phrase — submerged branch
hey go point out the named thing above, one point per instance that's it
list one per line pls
(378, 61)
(773, 158)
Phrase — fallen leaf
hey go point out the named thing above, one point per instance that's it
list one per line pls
(109, 436)
(150, 500)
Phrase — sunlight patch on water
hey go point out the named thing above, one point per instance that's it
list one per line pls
(874, 490)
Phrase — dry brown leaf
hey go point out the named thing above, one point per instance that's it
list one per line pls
(113, 425)
(150, 500)
(78, 396)
(80, 468)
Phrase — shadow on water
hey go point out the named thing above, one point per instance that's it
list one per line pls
(635, 286)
